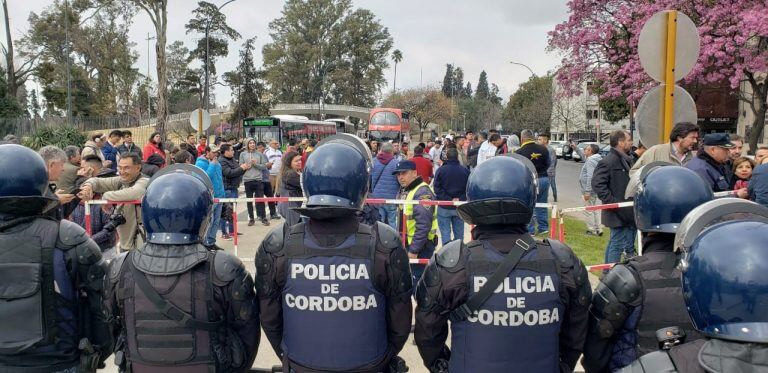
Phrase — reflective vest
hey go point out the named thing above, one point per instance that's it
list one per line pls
(410, 221)
(334, 317)
(518, 327)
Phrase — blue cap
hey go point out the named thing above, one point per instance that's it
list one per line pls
(405, 165)
(718, 139)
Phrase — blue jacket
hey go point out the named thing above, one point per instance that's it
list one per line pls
(758, 185)
(451, 182)
(712, 173)
(383, 183)
(214, 172)
(110, 154)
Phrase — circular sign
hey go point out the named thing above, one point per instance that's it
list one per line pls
(652, 46)
(649, 117)
(194, 119)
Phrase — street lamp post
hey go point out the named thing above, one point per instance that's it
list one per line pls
(149, 92)
(523, 65)
(207, 52)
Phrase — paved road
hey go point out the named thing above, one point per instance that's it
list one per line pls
(567, 176)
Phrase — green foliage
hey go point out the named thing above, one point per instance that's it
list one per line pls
(9, 105)
(246, 85)
(448, 80)
(482, 91)
(590, 249)
(614, 109)
(60, 136)
(479, 114)
(530, 107)
(322, 48)
(426, 105)
(184, 84)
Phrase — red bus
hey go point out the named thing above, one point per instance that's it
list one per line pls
(388, 124)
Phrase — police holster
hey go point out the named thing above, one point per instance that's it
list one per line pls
(522, 245)
(89, 357)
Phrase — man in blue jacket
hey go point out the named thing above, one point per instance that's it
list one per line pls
(384, 184)
(110, 149)
(210, 164)
(758, 185)
(710, 163)
(450, 185)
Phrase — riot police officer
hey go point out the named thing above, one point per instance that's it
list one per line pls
(334, 292)
(514, 304)
(180, 306)
(725, 287)
(642, 295)
(51, 277)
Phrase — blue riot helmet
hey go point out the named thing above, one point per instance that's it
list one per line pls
(23, 181)
(335, 179)
(176, 206)
(665, 195)
(725, 269)
(501, 190)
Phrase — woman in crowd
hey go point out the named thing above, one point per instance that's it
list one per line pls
(742, 171)
(289, 184)
(154, 146)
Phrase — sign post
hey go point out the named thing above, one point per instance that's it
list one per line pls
(669, 76)
(200, 120)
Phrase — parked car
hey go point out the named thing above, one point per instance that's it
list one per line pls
(580, 150)
(558, 146)
(605, 149)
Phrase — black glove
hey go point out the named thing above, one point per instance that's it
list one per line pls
(115, 221)
(397, 365)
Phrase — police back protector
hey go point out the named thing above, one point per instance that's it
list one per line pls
(334, 317)
(517, 328)
(171, 320)
(662, 302)
(38, 299)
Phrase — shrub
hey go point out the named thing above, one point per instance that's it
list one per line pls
(60, 136)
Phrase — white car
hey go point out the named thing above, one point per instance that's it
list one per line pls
(558, 145)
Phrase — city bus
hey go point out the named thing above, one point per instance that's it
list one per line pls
(287, 128)
(389, 124)
(342, 125)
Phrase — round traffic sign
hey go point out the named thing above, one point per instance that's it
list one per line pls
(649, 116)
(194, 119)
(652, 46)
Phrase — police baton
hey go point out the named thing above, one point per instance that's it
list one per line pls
(274, 369)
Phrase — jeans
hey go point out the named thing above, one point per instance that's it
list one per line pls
(622, 241)
(388, 215)
(227, 222)
(540, 216)
(418, 269)
(269, 192)
(553, 186)
(593, 217)
(255, 188)
(210, 237)
(448, 220)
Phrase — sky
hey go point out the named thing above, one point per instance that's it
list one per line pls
(474, 35)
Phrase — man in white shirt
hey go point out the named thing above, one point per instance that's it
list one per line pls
(274, 156)
(488, 148)
(434, 154)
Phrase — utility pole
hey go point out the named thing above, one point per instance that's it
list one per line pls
(149, 91)
(69, 68)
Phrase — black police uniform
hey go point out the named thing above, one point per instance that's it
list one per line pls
(51, 277)
(179, 306)
(335, 293)
(637, 298)
(536, 319)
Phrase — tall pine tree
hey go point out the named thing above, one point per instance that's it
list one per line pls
(458, 82)
(482, 91)
(448, 81)
(468, 90)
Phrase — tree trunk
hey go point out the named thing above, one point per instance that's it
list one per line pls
(394, 81)
(162, 68)
(759, 96)
(11, 79)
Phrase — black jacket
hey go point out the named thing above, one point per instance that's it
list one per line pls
(610, 182)
(538, 154)
(233, 174)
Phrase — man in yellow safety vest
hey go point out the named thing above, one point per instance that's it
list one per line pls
(420, 220)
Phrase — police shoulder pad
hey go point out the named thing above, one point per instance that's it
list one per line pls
(274, 241)
(449, 255)
(226, 266)
(388, 237)
(116, 266)
(70, 235)
(623, 282)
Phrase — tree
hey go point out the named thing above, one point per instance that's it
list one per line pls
(426, 105)
(9, 105)
(397, 56)
(448, 80)
(530, 107)
(34, 104)
(482, 91)
(324, 49)
(457, 89)
(157, 10)
(15, 77)
(246, 86)
(468, 90)
(568, 114)
(599, 42)
(208, 17)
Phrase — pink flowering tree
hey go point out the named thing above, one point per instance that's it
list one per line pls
(599, 43)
